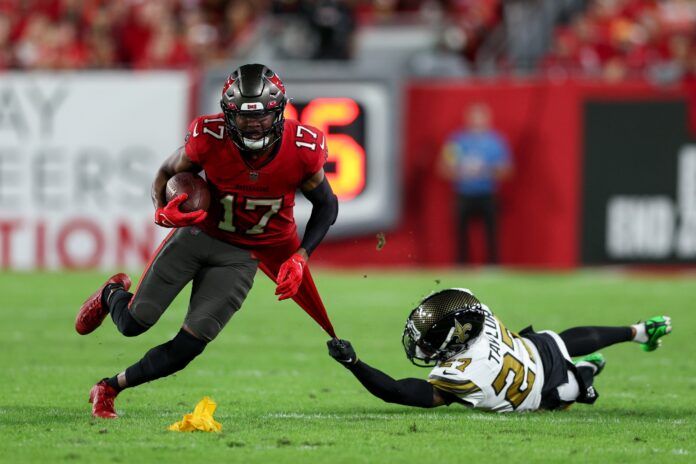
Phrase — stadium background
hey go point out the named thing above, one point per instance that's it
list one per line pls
(596, 98)
(388, 81)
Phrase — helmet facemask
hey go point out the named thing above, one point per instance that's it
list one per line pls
(443, 325)
(411, 339)
(249, 141)
(255, 92)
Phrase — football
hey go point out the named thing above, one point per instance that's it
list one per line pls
(196, 188)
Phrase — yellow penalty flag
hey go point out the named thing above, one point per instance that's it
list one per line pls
(201, 419)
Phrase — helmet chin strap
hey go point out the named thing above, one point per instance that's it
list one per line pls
(447, 339)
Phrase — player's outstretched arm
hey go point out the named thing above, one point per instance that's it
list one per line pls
(409, 392)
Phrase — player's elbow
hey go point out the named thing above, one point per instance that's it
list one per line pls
(324, 201)
(333, 207)
(326, 207)
(389, 396)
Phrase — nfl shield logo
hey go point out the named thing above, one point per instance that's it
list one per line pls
(253, 176)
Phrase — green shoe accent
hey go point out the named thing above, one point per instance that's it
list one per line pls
(656, 328)
(596, 359)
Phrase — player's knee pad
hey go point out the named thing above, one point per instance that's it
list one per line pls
(145, 312)
(206, 328)
(122, 316)
(129, 327)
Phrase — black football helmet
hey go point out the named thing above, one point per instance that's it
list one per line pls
(442, 325)
(253, 90)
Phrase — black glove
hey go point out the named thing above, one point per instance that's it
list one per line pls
(342, 351)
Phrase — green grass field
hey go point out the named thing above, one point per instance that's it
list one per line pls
(282, 399)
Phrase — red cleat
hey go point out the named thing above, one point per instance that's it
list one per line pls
(102, 397)
(92, 313)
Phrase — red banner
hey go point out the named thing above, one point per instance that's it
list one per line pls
(540, 204)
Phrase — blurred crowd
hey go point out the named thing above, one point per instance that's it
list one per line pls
(324, 29)
(155, 34)
(466, 23)
(139, 34)
(616, 39)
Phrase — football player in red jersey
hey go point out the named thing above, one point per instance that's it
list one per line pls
(254, 161)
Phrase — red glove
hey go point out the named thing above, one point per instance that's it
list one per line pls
(171, 216)
(290, 277)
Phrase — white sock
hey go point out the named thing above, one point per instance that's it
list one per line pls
(588, 364)
(641, 335)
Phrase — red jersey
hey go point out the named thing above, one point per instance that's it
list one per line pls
(253, 207)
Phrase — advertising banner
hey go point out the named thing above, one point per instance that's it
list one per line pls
(78, 153)
(639, 183)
